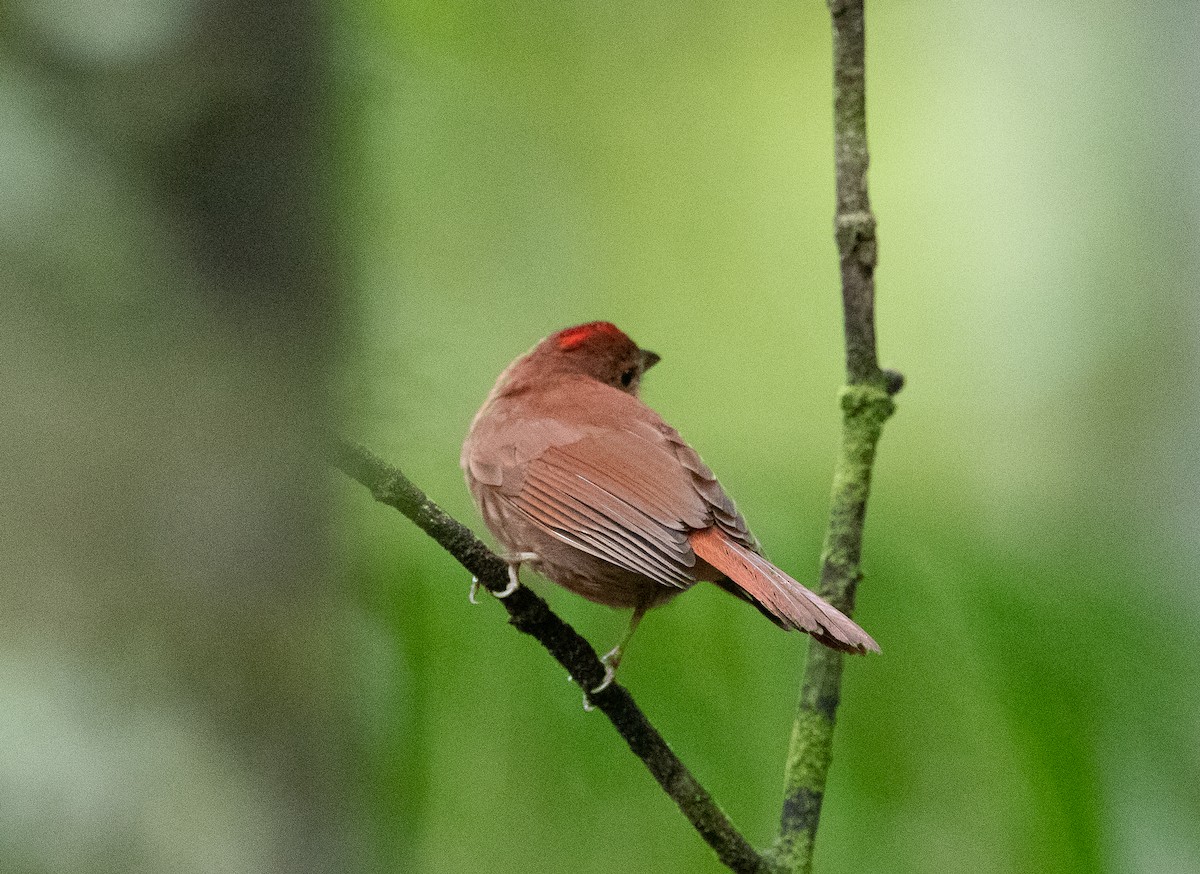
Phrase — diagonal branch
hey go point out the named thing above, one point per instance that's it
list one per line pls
(866, 402)
(530, 614)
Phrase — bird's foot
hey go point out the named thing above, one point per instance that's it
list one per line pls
(611, 661)
(514, 563)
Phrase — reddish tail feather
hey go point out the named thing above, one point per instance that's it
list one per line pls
(778, 595)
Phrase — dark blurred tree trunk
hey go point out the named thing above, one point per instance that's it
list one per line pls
(167, 341)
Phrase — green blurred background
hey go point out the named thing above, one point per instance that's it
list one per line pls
(227, 226)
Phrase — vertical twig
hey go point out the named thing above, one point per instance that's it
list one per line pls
(866, 404)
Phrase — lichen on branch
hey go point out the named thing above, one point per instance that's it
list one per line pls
(866, 402)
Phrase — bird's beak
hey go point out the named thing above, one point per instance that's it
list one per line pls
(649, 359)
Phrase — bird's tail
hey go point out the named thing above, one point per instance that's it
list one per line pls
(778, 595)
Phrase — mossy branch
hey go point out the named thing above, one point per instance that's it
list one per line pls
(530, 614)
(866, 402)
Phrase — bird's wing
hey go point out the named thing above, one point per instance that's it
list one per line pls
(620, 497)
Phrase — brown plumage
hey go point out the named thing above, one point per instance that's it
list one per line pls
(577, 477)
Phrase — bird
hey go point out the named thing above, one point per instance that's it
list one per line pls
(576, 477)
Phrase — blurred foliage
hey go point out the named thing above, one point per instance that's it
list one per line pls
(192, 682)
(172, 641)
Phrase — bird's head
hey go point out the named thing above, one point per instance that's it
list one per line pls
(600, 350)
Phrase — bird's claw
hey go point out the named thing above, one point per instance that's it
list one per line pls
(611, 660)
(513, 582)
(610, 674)
(514, 563)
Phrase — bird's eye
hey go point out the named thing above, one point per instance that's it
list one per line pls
(627, 377)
